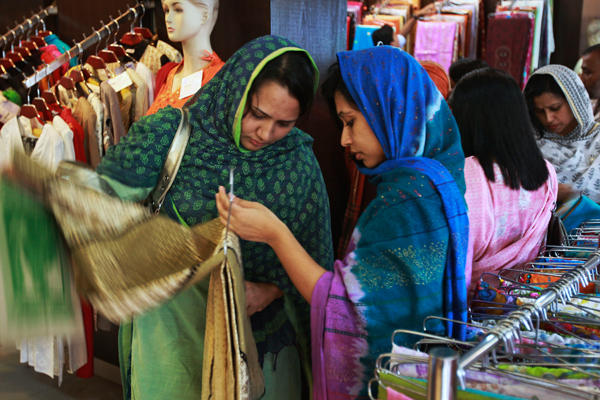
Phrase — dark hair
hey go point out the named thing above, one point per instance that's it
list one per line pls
(293, 70)
(491, 114)
(463, 66)
(591, 49)
(537, 85)
(334, 82)
(385, 35)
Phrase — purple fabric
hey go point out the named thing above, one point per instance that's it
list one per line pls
(435, 42)
(337, 330)
(317, 326)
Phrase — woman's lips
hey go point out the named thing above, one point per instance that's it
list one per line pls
(255, 143)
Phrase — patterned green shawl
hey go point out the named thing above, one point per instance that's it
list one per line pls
(284, 176)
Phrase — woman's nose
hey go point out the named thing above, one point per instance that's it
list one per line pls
(264, 130)
(345, 140)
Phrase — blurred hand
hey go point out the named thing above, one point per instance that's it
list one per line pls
(429, 9)
(566, 193)
(260, 295)
(249, 220)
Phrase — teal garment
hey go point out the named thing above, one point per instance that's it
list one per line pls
(284, 176)
(13, 96)
(62, 47)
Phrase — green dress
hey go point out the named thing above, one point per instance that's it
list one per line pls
(161, 351)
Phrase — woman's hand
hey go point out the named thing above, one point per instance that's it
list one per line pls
(429, 9)
(249, 220)
(260, 295)
(566, 192)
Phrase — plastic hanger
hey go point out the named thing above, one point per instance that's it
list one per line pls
(117, 49)
(29, 111)
(7, 63)
(145, 32)
(132, 38)
(95, 61)
(67, 82)
(23, 51)
(44, 33)
(40, 104)
(49, 97)
(39, 41)
(108, 56)
(29, 44)
(14, 56)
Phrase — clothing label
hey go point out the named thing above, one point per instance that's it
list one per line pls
(190, 84)
(120, 81)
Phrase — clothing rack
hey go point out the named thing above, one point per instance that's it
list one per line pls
(508, 328)
(86, 43)
(28, 24)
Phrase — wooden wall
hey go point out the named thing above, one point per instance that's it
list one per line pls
(13, 13)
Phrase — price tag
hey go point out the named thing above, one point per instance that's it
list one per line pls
(120, 81)
(190, 84)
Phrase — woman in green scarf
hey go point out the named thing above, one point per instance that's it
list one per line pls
(243, 118)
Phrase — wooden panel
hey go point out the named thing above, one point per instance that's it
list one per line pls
(590, 24)
(567, 28)
(15, 12)
(322, 31)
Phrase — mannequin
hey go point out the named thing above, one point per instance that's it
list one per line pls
(191, 23)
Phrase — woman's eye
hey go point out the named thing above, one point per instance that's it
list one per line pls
(350, 123)
(284, 124)
(257, 115)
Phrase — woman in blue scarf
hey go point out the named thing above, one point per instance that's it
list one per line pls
(407, 256)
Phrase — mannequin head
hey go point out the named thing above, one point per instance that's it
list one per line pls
(189, 19)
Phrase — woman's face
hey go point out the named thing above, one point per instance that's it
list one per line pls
(554, 113)
(357, 134)
(270, 115)
(184, 18)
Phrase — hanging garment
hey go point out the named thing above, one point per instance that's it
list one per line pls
(397, 270)
(508, 44)
(435, 41)
(85, 115)
(98, 107)
(10, 141)
(8, 109)
(144, 72)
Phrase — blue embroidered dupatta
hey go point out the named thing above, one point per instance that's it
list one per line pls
(407, 256)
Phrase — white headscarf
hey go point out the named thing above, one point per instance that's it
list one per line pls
(575, 155)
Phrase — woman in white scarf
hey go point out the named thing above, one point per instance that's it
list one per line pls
(568, 136)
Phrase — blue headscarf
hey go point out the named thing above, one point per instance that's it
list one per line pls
(416, 129)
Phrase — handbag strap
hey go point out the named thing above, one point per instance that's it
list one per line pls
(174, 157)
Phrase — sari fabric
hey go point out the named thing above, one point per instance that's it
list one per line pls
(575, 155)
(407, 255)
(506, 226)
(167, 342)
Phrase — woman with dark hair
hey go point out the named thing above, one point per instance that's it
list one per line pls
(407, 256)
(511, 189)
(568, 135)
(243, 118)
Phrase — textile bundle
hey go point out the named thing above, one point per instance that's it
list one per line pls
(125, 261)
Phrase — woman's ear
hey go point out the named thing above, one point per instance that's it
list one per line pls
(204, 17)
